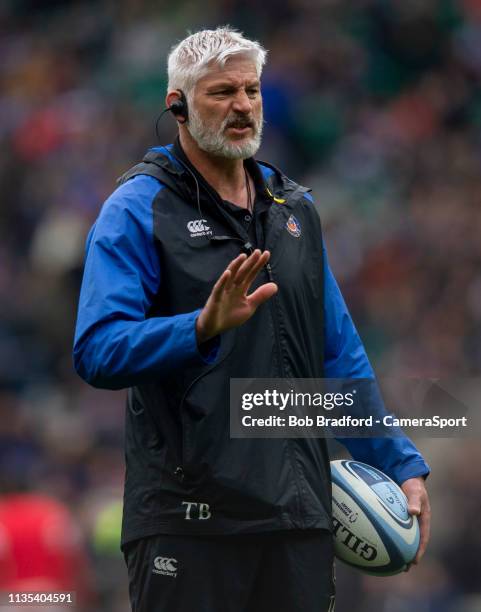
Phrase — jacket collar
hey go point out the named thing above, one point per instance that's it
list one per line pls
(278, 187)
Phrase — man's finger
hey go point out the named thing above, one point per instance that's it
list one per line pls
(424, 528)
(220, 285)
(262, 294)
(414, 504)
(246, 267)
(233, 267)
(249, 279)
(418, 505)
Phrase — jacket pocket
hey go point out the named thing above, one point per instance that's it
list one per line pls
(204, 395)
(194, 408)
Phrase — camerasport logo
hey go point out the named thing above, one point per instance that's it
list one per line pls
(198, 227)
(167, 566)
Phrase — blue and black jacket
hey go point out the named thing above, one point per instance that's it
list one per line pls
(161, 241)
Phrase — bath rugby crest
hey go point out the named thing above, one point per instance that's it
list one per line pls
(293, 226)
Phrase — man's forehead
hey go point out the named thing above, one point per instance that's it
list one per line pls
(235, 69)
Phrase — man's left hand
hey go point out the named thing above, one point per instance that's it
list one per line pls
(418, 505)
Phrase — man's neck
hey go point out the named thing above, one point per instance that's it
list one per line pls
(226, 176)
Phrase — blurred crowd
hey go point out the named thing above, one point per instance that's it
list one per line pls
(375, 104)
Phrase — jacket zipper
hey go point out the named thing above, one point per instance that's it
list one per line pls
(275, 318)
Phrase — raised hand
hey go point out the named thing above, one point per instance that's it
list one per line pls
(228, 304)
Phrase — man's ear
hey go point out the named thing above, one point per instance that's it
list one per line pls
(171, 97)
(177, 103)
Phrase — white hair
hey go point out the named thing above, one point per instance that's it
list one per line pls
(189, 60)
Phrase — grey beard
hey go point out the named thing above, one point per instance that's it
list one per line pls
(217, 144)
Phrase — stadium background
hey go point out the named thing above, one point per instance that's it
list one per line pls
(374, 104)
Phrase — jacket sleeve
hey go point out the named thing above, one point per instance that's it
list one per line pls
(116, 344)
(345, 357)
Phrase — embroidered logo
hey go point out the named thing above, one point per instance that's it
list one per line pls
(167, 566)
(198, 227)
(197, 510)
(293, 226)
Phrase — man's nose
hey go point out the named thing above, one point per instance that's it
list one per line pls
(242, 103)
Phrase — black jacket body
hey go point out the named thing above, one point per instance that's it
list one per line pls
(184, 472)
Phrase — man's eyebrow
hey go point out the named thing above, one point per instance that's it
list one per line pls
(230, 85)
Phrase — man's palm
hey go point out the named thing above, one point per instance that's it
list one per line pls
(229, 305)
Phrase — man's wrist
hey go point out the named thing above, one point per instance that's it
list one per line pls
(202, 334)
(422, 479)
(199, 332)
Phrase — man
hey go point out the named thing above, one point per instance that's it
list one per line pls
(205, 265)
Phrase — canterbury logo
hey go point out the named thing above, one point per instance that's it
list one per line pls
(198, 227)
(166, 566)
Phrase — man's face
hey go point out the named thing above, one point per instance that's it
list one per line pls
(225, 111)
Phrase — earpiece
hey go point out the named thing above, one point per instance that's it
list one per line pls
(179, 108)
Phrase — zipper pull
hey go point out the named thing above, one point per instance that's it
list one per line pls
(179, 473)
(269, 272)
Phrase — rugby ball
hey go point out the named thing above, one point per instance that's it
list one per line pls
(373, 530)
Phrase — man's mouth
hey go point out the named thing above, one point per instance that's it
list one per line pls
(240, 127)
